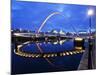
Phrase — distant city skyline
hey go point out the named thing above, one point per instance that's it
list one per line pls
(30, 15)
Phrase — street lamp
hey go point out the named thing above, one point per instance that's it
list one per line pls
(90, 14)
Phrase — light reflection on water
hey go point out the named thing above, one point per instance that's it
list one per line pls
(49, 47)
(29, 65)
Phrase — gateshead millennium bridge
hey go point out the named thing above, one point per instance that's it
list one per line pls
(21, 39)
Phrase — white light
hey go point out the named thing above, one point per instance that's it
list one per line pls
(17, 34)
(90, 12)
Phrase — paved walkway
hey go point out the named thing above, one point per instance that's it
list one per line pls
(84, 61)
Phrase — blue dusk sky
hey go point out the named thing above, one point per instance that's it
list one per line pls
(30, 15)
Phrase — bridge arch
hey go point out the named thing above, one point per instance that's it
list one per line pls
(42, 25)
(51, 15)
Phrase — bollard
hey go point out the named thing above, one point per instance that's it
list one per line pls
(79, 43)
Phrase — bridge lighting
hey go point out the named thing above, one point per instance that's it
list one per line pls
(74, 52)
(29, 56)
(77, 52)
(61, 54)
(48, 55)
(64, 54)
(55, 55)
(33, 56)
(67, 53)
(37, 56)
(71, 53)
(26, 55)
(45, 56)
(23, 54)
(52, 55)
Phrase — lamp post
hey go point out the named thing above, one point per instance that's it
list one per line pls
(90, 14)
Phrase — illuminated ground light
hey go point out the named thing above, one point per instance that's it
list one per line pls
(78, 39)
(47, 55)
(78, 48)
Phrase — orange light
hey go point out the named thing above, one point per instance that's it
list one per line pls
(78, 39)
(78, 48)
